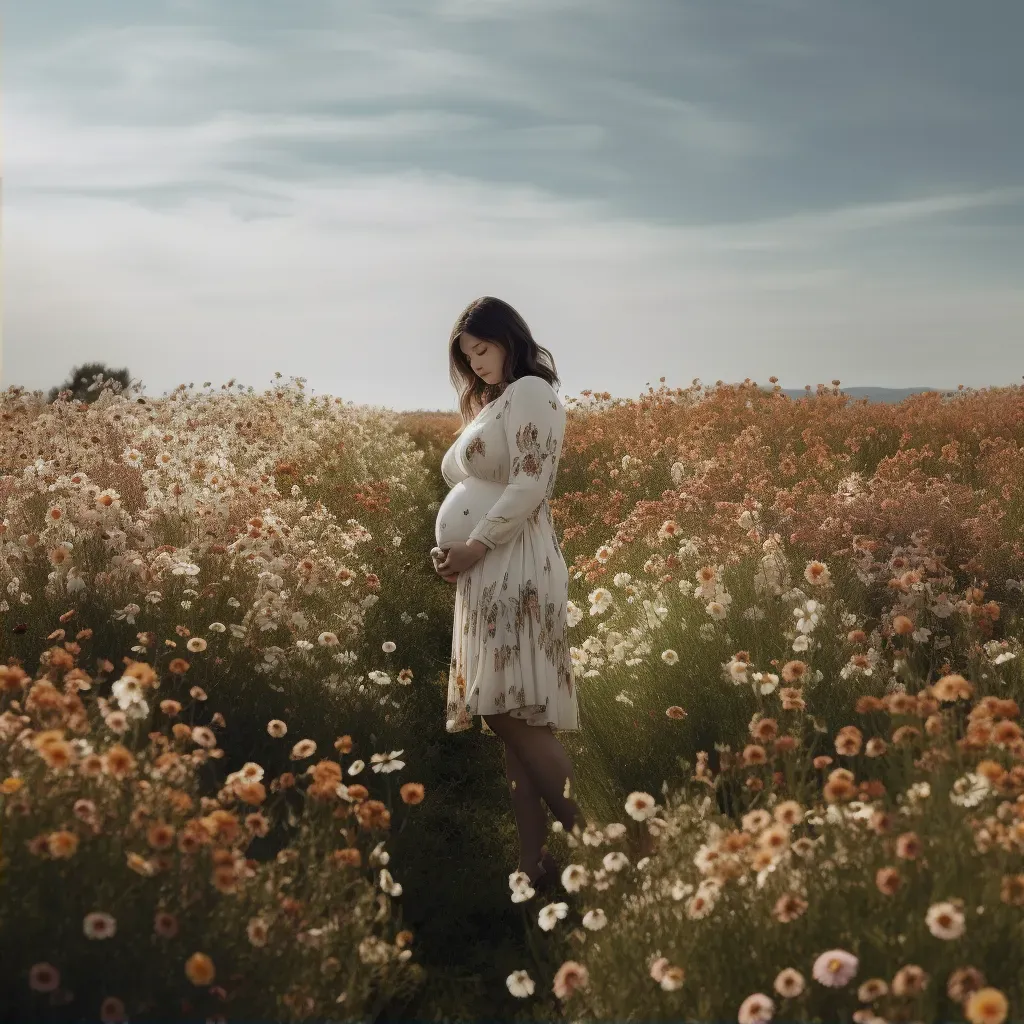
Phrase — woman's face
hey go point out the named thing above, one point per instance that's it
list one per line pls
(485, 357)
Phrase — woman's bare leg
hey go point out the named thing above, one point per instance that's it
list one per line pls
(546, 762)
(531, 817)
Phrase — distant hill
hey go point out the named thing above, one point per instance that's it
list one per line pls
(872, 394)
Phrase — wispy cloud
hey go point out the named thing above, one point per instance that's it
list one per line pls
(669, 188)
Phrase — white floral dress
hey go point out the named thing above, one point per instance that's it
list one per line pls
(510, 650)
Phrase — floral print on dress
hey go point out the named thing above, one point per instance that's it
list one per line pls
(510, 648)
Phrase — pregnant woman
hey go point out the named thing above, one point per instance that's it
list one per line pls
(496, 540)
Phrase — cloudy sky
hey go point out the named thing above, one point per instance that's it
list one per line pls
(202, 190)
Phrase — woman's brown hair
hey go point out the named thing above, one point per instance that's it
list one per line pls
(490, 319)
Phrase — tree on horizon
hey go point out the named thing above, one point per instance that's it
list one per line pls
(82, 382)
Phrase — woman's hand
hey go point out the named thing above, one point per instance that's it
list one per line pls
(460, 556)
(437, 556)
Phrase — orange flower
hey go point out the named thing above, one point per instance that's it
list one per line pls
(349, 856)
(951, 688)
(753, 754)
(412, 793)
(905, 734)
(866, 704)
(848, 741)
(118, 761)
(199, 969)
(62, 843)
(160, 835)
(838, 790)
(1005, 733)
(794, 671)
(788, 908)
(986, 1006)
(1012, 890)
(253, 793)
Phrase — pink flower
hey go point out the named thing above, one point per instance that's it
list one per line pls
(756, 1009)
(835, 968)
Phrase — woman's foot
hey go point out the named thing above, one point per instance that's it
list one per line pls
(550, 872)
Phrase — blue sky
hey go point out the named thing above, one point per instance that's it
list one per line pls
(714, 189)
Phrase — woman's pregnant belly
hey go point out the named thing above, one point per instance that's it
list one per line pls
(467, 503)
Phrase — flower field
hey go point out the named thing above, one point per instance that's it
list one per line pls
(226, 789)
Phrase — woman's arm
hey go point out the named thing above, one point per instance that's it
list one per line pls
(534, 427)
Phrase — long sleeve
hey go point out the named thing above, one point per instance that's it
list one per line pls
(534, 427)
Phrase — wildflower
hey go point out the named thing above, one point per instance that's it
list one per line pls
(848, 741)
(199, 969)
(817, 573)
(945, 921)
(756, 1009)
(204, 736)
(550, 915)
(909, 981)
(520, 984)
(672, 978)
(701, 904)
(789, 812)
(196, 644)
(788, 907)
(872, 989)
(756, 820)
(594, 919)
(794, 671)
(835, 968)
(640, 806)
(62, 843)
(43, 977)
(276, 728)
(99, 925)
(1011, 891)
(669, 657)
(986, 1006)
(257, 930)
(387, 762)
(303, 749)
(963, 982)
(908, 846)
(165, 924)
(807, 616)
(790, 983)
(952, 688)
(118, 762)
(112, 1011)
(570, 977)
(887, 880)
